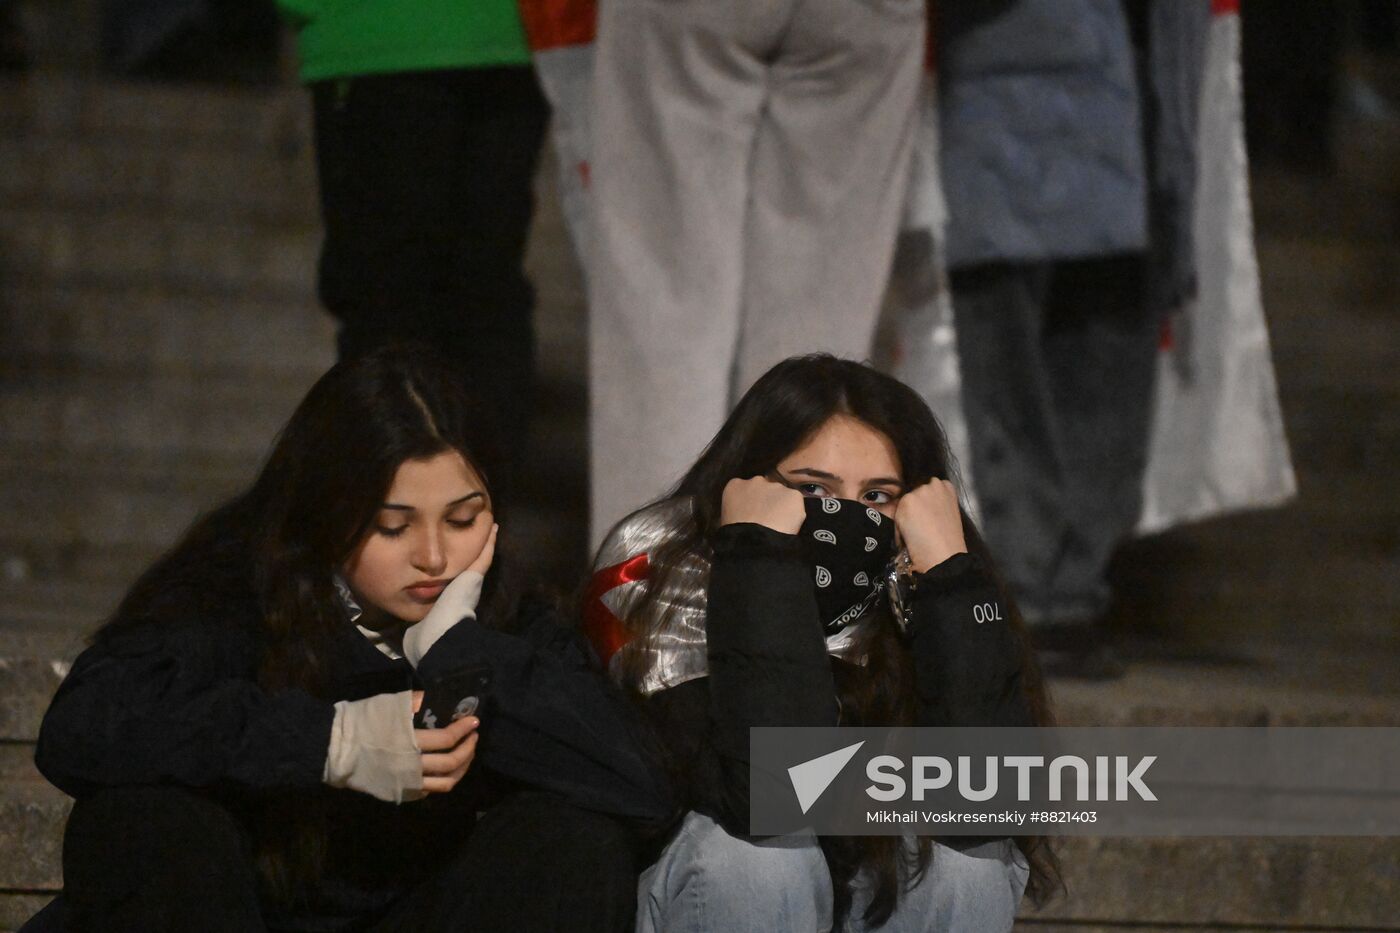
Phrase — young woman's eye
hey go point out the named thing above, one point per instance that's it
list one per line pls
(390, 532)
(815, 490)
(879, 497)
(462, 522)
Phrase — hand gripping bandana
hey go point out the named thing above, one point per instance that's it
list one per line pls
(849, 546)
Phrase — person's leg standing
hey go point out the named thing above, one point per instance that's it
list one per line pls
(678, 88)
(830, 174)
(1012, 423)
(1100, 346)
(506, 117)
(426, 196)
(382, 146)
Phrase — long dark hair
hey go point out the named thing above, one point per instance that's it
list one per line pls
(784, 408)
(287, 536)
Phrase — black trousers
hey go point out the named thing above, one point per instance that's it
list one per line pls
(426, 185)
(1058, 366)
(161, 860)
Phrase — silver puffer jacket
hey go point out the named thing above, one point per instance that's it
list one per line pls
(676, 650)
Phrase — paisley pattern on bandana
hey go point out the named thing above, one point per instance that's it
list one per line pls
(848, 545)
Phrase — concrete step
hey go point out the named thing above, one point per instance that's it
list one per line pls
(121, 463)
(1305, 526)
(33, 661)
(197, 178)
(1316, 884)
(262, 120)
(17, 908)
(1322, 454)
(1352, 493)
(34, 573)
(66, 608)
(1364, 578)
(1330, 495)
(1034, 924)
(1361, 564)
(1362, 355)
(1237, 682)
(1294, 581)
(148, 329)
(211, 253)
(1360, 200)
(114, 330)
(174, 415)
(1326, 327)
(32, 813)
(109, 514)
(138, 289)
(98, 503)
(1159, 605)
(128, 248)
(1335, 271)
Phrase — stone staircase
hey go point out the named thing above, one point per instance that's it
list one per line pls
(158, 323)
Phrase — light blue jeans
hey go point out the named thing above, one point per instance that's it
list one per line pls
(708, 881)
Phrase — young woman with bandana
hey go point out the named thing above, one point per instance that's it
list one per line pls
(758, 594)
(240, 738)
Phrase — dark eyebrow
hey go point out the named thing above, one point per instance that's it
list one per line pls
(451, 505)
(816, 474)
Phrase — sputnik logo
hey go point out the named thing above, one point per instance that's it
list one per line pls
(811, 778)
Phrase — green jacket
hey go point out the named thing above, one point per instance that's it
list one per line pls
(340, 38)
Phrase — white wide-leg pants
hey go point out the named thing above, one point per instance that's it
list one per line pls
(749, 168)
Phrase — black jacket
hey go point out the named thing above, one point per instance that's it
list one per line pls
(769, 666)
(169, 696)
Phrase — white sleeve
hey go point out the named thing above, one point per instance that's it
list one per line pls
(373, 750)
(457, 602)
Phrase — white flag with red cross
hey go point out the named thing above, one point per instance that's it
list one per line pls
(1218, 442)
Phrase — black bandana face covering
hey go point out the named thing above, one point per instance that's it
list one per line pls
(849, 546)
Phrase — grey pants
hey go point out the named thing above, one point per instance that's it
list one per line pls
(707, 881)
(1058, 364)
(749, 166)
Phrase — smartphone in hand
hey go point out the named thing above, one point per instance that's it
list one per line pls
(451, 696)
